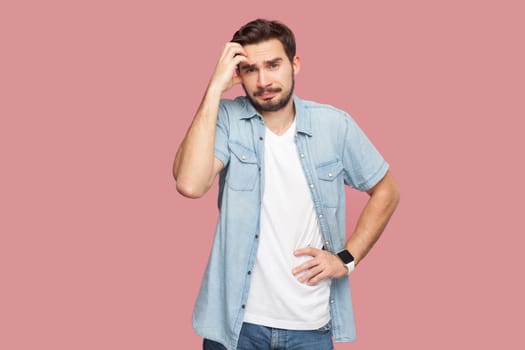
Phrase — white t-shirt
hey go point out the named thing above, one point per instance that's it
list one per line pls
(288, 222)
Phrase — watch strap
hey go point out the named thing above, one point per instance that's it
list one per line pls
(348, 259)
(350, 266)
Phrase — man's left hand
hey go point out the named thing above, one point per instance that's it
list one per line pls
(323, 265)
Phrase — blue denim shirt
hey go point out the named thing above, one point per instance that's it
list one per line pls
(333, 152)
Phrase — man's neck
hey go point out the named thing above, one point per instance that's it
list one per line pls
(279, 121)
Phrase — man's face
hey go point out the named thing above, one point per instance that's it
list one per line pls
(268, 75)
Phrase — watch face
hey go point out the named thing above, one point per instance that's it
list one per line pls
(346, 256)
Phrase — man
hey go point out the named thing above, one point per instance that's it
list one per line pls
(277, 277)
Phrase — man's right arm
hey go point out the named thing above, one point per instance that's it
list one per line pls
(195, 166)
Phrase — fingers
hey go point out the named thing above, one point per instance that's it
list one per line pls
(305, 266)
(232, 49)
(313, 252)
(232, 55)
(308, 251)
(322, 266)
(313, 275)
(310, 271)
(224, 76)
(313, 272)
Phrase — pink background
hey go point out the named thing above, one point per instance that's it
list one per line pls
(98, 251)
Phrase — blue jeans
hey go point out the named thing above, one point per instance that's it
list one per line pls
(255, 337)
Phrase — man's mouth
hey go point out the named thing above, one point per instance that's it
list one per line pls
(267, 94)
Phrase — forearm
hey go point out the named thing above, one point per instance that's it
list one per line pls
(373, 219)
(193, 165)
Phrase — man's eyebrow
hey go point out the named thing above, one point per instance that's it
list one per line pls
(268, 62)
(273, 61)
(246, 66)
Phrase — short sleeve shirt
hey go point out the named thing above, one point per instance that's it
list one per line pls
(334, 152)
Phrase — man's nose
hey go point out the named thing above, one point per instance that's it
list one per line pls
(263, 80)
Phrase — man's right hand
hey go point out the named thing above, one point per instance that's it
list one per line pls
(225, 75)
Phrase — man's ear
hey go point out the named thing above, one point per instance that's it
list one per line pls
(296, 64)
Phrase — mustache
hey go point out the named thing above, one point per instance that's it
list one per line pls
(259, 92)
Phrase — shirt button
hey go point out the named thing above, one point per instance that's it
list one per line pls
(331, 301)
(326, 243)
(311, 185)
(321, 216)
(249, 272)
(260, 138)
(329, 174)
(243, 306)
(243, 157)
(256, 236)
(302, 155)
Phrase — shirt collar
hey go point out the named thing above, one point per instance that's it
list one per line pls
(302, 115)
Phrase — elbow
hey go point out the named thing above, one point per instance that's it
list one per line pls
(394, 196)
(388, 191)
(185, 188)
(190, 190)
(393, 193)
(189, 186)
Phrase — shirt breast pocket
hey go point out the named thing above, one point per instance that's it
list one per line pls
(243, 168)
(330, 182)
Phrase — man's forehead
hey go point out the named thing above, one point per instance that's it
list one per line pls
(264, 51)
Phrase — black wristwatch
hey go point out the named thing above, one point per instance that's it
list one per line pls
(348, 259)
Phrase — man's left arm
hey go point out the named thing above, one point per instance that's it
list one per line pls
(384, 198)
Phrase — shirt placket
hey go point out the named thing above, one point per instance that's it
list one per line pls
(258, 142)
(309, 172)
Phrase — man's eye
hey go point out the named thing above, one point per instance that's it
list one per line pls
(249, 70)
(274, 65)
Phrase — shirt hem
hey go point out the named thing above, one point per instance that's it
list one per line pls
(301, 326)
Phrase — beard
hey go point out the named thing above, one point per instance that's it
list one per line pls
(274, 104)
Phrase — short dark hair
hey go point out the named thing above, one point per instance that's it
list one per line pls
(260, 30)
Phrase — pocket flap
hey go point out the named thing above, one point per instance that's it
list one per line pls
(330, 171)
(243, 153)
